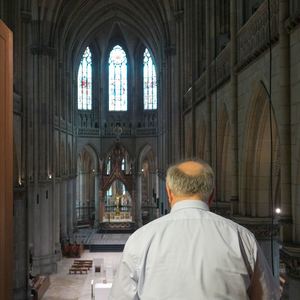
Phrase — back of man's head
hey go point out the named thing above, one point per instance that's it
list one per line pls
(190, 178)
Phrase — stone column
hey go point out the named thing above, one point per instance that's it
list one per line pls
(69, 206)
(101, 206)
(234, 106)
(39, 148)
(21, 244)
(97, 206)
(44, 259)
(208, 154)
(139, 200)
(63, 210)
(283, 117)
(56, 222)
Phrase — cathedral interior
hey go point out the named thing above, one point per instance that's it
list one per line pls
(105, 95)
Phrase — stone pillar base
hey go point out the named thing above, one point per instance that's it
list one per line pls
(58, 254)
(44, 265)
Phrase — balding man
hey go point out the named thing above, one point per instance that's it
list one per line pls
(192, 253)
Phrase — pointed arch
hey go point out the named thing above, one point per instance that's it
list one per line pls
(84, 81)
(117, 79)
(256, 196)
(225, 156)
(149, 82)
(87, 166)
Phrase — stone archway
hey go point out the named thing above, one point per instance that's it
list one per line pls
(147, 185)
(256, 161)
(87, 186)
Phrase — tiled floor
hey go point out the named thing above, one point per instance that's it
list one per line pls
(64, 286)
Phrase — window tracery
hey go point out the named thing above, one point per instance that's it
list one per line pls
(150, 82)
(85, 81)
(117, 79)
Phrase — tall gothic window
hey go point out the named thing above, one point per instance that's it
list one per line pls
(150, 82)
(117, 79)
(85, 81)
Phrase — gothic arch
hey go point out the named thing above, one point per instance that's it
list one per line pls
(225, 155)
(256, 196)
(146, 150)
(87, 166)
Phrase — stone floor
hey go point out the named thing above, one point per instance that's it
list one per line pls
(64, 286)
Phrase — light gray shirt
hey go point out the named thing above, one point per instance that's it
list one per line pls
(192, 254)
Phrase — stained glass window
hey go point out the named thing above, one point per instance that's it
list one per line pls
(85, 81)
(150, 82)
(123, 164)
(108, 166)
(117, 79)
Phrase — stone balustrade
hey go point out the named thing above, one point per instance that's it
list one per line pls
(253, 38)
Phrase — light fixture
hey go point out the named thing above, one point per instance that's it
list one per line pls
(49, 176)
(278, 210)
(20, 181)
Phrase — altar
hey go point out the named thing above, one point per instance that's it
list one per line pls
(117, 203)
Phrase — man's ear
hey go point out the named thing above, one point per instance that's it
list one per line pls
(169, 193)
(211, 198)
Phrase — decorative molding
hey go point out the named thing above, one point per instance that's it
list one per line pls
(88, 132)
(262, 228)
(222, 208)
(294, 18)
(290, 255)
(253, 37)
(220, 68)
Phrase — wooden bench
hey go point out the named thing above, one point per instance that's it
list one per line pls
(83, 260)
(41, 284)
(73, 270)
(88, 266)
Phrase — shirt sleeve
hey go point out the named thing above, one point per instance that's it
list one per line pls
(264, 285)
(125, 282)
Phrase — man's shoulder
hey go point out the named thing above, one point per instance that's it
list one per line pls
(151, 227)
(231, 223)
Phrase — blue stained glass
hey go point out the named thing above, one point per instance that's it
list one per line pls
(150, 82)
(117, 79)
(85, 81)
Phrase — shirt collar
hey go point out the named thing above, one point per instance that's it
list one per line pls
(189, 204)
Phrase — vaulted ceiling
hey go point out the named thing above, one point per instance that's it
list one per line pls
(69, 25)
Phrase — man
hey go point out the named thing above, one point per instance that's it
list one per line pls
(192, 253)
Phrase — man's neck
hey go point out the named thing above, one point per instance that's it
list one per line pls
(179, 198)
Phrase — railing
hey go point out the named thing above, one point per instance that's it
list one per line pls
(201, 87)
(87, 119)
(253, 37)
(88, 131)
(187, 100)
(85, 214)
(220, 68)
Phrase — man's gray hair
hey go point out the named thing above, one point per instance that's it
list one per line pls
(181, 183)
